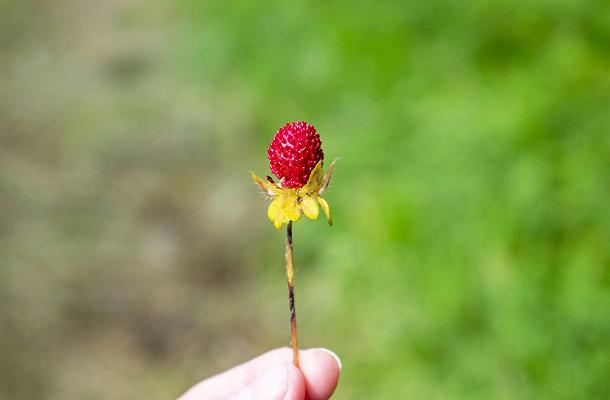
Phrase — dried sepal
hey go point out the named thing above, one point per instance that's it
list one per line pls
(315, 181)
(264, 186)
(328, 175)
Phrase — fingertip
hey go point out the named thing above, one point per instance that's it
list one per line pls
(321, 369)
(334, 356)
(282, 382)
(268, 376)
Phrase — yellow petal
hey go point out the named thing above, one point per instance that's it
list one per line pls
(275, 212)
(315, 181)
(290, 206)
(278, 222)
(325, 208)
(310, 207)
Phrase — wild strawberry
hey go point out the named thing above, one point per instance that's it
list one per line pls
(294, 152)
(296, 158)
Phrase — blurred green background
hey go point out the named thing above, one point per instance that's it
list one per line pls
(469, 259)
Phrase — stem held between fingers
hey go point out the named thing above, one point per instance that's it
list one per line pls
(290, 280)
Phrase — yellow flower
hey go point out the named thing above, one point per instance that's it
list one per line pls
(288, 204)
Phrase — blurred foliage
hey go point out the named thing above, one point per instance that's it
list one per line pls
(469, 258)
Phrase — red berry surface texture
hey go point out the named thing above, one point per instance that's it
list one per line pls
(294, 152)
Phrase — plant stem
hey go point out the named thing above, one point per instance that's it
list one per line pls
(290, 279)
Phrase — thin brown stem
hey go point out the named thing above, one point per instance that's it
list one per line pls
(290, 280)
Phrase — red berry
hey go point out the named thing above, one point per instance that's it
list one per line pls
(294, 152)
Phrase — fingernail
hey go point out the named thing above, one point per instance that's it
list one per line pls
(333, 355)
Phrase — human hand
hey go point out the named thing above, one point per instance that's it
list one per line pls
(272, 376)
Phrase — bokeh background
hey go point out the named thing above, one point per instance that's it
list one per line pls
(469, 259)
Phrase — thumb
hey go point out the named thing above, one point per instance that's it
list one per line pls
(282, 382)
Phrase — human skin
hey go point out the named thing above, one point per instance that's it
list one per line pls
(272, 376)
